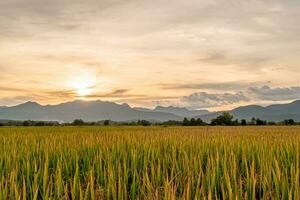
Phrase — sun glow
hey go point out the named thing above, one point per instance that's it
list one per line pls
(82, 92)
(83, 86)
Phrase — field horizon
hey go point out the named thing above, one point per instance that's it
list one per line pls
(97, 110)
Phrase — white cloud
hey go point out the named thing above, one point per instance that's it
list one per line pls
(274, 94)
(249, 95)
(204, 99)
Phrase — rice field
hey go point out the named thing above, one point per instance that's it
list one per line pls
(149, 163)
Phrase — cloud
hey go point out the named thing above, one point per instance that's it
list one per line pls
(249, 60)
(112, 94)
(11, 101)
(204, 99)
(87, 61)
(249, 95)
(65, 94)
(125, 95)
(274, 94)
(11, 89)
(41, 96)
(234, 85)
(226, 44)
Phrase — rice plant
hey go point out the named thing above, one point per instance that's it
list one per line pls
(149, 163)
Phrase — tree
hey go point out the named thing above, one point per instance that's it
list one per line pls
(289, 122)
(200, 122)
(26, 123)
(143, 123)
(106, 122)
(78, 122)
(243, 122)
(172, 123)
(253, 121)
(236, 122)
(41, 123)
(272, 123)
(193, 122)
(186, 122)
(226, 119)
(260, 122)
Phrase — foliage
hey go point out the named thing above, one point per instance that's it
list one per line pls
(193, 122)
(243, 122)
(289, 122)
(226, 119)
(143, 123)
(78, 122)
(106, 122)
(171, 123)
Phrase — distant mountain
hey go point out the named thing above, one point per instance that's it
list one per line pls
(101, 110)
(88, 111)
(277, 112)
(179, 111)
(143, 109)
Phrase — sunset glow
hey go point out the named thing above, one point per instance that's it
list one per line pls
(82, 86)
(201, 54)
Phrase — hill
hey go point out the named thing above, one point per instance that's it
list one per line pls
(277, 112)
(179, 111)
(88, 111)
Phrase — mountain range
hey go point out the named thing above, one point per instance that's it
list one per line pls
(101, 110)
(276, 112)
(179, 111)
(85, 110)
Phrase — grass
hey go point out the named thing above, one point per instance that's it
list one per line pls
(150, 163)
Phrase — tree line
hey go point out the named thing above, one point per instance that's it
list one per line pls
(225, 119)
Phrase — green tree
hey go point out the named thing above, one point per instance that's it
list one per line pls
(193, 122)
(253, 121)
(226, 119)
(186, 122)
(143, 123)
(260, 122)
(40, 123)
(243, 122)
(78, 122)
(200, 122)
(106, 122)
(26, 123)
(289, 122)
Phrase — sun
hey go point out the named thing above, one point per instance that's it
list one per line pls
(83, 89)
(83, 92)
(82, 86)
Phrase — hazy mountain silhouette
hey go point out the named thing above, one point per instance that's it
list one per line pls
(88, 111)
(277, 112)
(179, 111)
(100, 110)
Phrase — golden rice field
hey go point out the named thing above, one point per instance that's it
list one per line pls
(150, 163)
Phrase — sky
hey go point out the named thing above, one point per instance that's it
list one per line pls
(212, 54)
